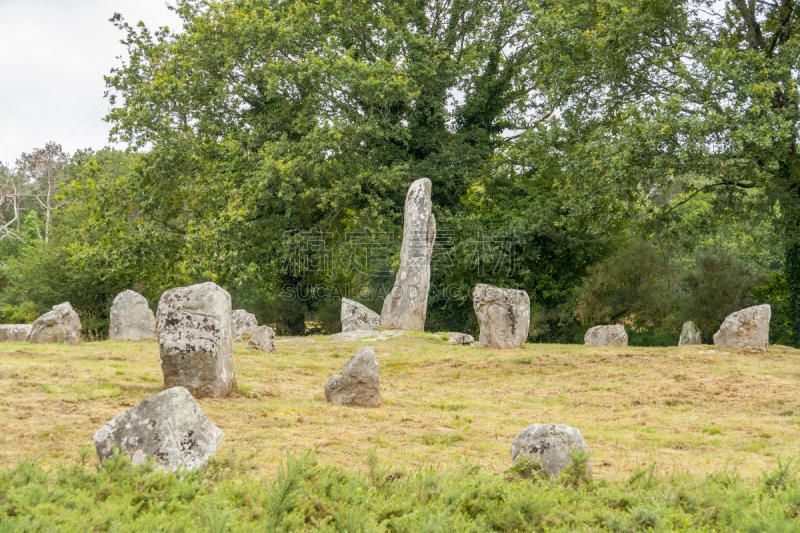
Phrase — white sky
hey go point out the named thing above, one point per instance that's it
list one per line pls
(53, 56)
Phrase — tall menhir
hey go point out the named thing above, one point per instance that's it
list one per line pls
(406, 305)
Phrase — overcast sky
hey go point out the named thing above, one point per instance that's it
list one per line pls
(53, 56)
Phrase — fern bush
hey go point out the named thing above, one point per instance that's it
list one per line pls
(306, 496)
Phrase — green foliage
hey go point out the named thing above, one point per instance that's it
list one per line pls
(329, 316)
(24, 313)
(790, 306)
(305, 496)
(775, 292)
(653, 290)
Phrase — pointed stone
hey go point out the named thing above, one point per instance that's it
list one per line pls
(504, 316)
(406, 305)
(358, 384)
(168, 427)
(690, 335)
(60, 324)
(356, 316)
(745, 329)
(194, 336)
(131, 318)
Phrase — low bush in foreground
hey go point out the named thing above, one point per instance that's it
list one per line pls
(305, 496)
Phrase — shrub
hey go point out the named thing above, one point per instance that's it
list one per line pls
(306, 496)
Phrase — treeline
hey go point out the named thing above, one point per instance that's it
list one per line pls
(622, 162)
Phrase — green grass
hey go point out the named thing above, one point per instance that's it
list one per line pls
(303, 495)
(635, 406)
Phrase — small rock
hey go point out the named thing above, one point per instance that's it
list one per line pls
(745, 329)
(459, 338)
(296, 339)
(690, 335)
(606, 336)
(61, 324)
(549, 444)
(194, 336)
(356, 316)
(252, 394)
(504, 316)
(243, 324)
(15, 332)
(358, 384)
(263, 340)
(131, 318)
(169, 426)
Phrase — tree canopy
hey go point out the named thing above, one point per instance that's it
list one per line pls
(556, 135)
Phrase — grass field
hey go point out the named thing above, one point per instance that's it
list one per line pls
(687, 409)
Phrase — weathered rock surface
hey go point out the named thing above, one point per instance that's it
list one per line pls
(131, 318)
(385, 335)
(169, 426)
(745, 329)
(358, 384)
(352, 335)
(194, 335)
(459, 338)
(60, 324)
(690, 335)
(606, 336)
(550, 444)
(15, 332)
(263, 340)
(406, 305)
(356, 316)
(244, 324)
(504, 316)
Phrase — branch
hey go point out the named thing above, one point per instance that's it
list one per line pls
(754, 36)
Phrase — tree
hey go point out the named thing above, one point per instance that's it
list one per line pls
(42, 172)
(268, 119)
(12, 194)
(676, 100)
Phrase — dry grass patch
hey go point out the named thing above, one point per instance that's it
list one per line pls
(676, 407)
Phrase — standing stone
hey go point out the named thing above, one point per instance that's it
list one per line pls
(169, 426)
(15, 332)
(131, 318)
(406, 305)
(356, 316)
(263, 340)
(358, 384)
(60, 324)
(549, 444)
(243, 323)
(745, 329)
(457, 339)
(606, 336)
(690, 335)
(194, 335)
(504, 316)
